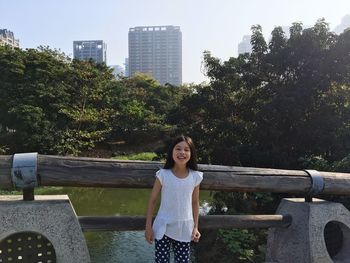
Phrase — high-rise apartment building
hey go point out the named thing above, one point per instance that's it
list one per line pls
(245, 46)
(7, 38)
(156, 50)
(126, 65)
(90, 49)
(345, 24)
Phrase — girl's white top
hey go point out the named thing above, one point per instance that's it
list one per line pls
(175, 217)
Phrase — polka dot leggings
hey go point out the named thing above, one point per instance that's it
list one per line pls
(181, 250)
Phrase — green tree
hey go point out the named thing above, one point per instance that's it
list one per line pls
(278, 107)
(50, 104)
(88, 112)
(144, 107)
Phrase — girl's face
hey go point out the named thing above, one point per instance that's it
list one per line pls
(181, 153)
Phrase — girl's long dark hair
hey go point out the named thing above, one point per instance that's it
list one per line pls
(192, 163)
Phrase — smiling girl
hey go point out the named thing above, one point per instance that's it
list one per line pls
(176, 223)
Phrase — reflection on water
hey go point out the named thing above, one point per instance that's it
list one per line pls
(99, 201)
(115, 247)
(119, 247)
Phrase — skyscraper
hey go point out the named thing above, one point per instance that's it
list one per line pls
(345, 23)
(126, 64)
(245, 46)
(156, 50)
(7, 38)
(94, 49)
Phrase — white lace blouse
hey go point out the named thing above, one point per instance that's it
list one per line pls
(175, 218)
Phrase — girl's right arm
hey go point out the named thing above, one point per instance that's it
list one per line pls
(151, 204)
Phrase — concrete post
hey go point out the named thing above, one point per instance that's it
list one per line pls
(46, 228)
(319, 233)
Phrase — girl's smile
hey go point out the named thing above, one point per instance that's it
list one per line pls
(181, 153)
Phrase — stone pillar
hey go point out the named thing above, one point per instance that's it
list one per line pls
(319, 233)
(44, 230)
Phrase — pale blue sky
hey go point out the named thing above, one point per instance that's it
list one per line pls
(214, 25)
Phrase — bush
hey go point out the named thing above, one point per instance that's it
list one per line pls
(144, 156)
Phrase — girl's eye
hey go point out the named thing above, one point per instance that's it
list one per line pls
(179, 149)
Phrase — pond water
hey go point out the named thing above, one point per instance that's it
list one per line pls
(115, 247)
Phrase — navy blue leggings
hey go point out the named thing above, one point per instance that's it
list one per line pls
(181, 250)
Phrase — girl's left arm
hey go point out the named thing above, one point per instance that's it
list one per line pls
(195, 210)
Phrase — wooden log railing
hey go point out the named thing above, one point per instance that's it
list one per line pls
(93, 172)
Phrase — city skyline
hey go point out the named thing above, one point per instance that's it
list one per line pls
(206, 25)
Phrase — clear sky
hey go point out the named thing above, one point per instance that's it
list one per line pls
(214, 25)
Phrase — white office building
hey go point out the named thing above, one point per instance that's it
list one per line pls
(157, 51)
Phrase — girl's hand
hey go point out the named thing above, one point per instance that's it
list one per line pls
(195, 235)
(149, 235)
